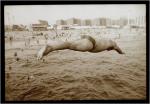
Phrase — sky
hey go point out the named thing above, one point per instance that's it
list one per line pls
(28, 14)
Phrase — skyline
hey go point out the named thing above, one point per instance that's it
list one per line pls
(29, 14)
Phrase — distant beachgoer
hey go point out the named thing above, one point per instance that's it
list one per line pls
(15, 54)
(37, 41)
(24, 41)
(27, 42)
(46, 36)
(11, 40)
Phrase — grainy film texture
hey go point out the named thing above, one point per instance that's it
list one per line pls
(75, 52)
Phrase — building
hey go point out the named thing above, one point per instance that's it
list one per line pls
(78, 22)
(41, 26)
(103, 22)
(8, 28)
(86, 22)
(61, 22)
(96, 22)
(115, 22)
(73, 21)
(140, 21)
(123, 22)
(99, 22)
(43, 22)
(65, 27)
(131, 22)
(18, 28)
(108, 22)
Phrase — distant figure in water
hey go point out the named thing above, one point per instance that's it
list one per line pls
(85, 44)
(37, 41)
(11, 40)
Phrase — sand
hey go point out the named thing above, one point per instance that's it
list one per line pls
(72, 75)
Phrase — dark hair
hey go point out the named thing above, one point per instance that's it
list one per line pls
(90, 39)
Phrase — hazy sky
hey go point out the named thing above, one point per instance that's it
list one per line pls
(28, 14)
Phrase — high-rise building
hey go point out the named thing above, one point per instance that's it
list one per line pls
(96, 22)
(108, 22)
(61, 22)
(123, 22)
(138, 21)
(73, 21)
(141, 21)
(99, 22)
(86, 22)
(102, 21)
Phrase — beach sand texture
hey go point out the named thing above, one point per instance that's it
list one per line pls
(72, 75)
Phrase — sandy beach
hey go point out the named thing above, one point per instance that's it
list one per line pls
(72, 75)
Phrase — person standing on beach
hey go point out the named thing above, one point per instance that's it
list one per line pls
(10, 40)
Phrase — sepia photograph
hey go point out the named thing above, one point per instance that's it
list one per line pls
(75, 52)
